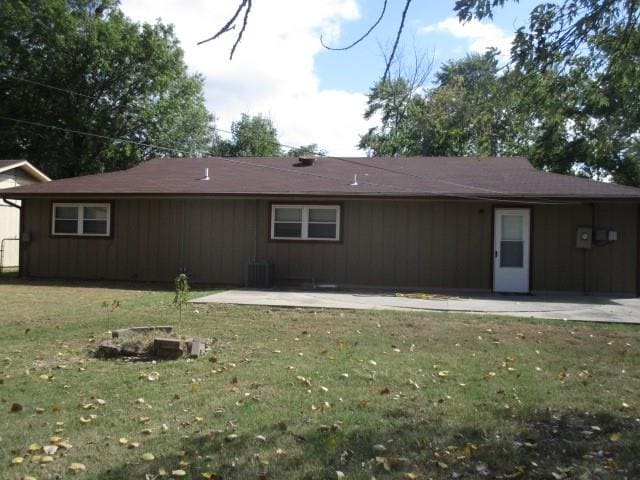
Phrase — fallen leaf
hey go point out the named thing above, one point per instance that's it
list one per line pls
(281, 453)
(133, 445)
(84, 420)
(50, 449)
(17, 460)
(260, 438)
(615, 437)
(46, 459)
(77, 467)
(123, 441)
(178, 473)
(379, 448)
(148, 457)
(34, 447)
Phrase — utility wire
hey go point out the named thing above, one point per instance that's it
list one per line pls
(347, 160)
(289, 170)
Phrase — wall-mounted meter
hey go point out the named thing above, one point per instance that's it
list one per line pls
(584, 237)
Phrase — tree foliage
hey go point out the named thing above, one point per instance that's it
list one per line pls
(570, 101)
(131, 83)
(252, 136)
(467, 112)
(306, 150)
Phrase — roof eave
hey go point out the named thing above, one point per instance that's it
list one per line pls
(27, 167)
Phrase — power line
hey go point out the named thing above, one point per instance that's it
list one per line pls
(33, 82)
(348, 160)
(288, 170)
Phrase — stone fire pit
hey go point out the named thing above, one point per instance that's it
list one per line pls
(151, 342)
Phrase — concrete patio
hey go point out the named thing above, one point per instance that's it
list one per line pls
(564, 307)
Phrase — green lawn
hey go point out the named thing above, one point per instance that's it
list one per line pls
(369, 394)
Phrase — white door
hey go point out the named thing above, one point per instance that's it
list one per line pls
(511, 250)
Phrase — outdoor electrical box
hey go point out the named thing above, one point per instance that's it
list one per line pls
(584, 237)
(601, 235)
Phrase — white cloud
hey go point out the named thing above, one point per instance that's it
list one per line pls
(480, 35)
(272, 71)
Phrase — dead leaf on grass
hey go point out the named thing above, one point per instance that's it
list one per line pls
(77, 467)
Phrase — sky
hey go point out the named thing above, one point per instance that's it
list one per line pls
(281, 70)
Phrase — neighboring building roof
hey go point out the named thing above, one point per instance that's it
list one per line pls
(459, 177)
(6, 165)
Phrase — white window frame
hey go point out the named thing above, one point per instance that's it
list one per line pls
(80, 219)
(305, 222)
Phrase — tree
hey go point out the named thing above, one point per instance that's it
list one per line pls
(81, 65)
(252, 136)
(304, 150)
(559, 32)
(469, 111)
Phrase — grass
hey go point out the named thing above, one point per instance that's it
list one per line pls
(446, 395)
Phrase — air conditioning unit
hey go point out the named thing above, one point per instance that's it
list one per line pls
(260, 275)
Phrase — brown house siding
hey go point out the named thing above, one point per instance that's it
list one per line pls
(384, 243)
(559, 266)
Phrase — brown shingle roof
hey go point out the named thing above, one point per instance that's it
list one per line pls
(491, 177)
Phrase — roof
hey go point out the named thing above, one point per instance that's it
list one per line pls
(459, 177)
(6, 165)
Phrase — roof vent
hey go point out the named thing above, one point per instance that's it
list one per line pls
(355, 180)
(306, 161)
(206, 174)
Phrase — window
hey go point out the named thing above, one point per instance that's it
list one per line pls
(88, 219)
(305, 222)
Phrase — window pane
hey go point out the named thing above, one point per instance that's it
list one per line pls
(66, 226)
(322, 215)
(511, 227)
(288, 230)
(98, 227)
(288, 214)
(511, 254)
(96, 213)
(322, 230)
(67, 212)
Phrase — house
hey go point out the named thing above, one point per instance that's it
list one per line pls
(13, 173)
(489, 224)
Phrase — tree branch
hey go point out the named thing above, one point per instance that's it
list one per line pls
(230, 25)
(367, 33)
(395, 45)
